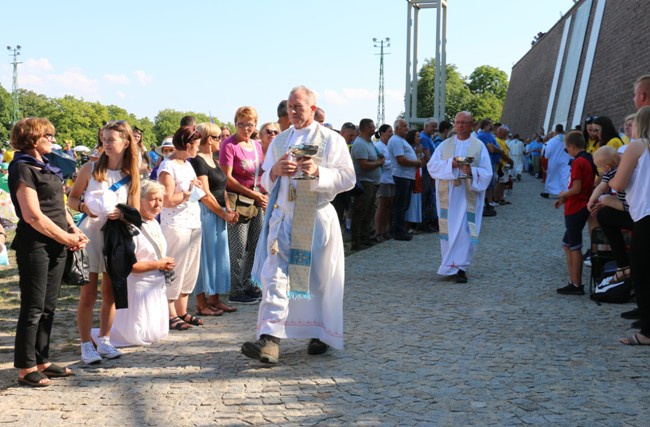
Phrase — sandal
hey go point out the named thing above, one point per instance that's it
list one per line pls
(196, 321)
(208, 310)
(56, 371)
(223, 307)
(634, 340)
(33, 379)
(178, 324)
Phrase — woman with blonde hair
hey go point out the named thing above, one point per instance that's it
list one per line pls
(632, 176)
(268, 132)
(214, 270)
(112, 179)
(241, 158)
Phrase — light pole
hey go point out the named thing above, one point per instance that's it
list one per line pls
(380, 101)
(14, 88)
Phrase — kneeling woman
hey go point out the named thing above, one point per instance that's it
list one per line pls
(146, 320)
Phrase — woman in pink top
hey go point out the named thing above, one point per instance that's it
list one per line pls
(241, 158)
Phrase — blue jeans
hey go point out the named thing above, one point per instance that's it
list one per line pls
(401, 202)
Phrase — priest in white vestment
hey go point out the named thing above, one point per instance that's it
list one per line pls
(460, 199)
(302, 296)
(558, 171)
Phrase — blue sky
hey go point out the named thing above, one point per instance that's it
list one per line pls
(214, 56)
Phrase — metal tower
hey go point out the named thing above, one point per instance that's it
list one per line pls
(380, 99)
(14, 87)
(440, 81)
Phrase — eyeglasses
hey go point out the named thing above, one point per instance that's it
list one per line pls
(246, 125)
(271, 132)
(49, 136)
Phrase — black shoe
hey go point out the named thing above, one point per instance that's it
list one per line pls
(544, 195)
(316, 347)
(636, 324)
(489, 211)
(242, 299)
(405, 237)
(359, 246)
(254, 292)
(461, 276)
(632, 314)
(571, 289)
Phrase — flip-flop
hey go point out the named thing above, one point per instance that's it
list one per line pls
(33, 379)
(56, 371)
(634, 340)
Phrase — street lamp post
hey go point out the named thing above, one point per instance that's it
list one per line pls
(14, 87)
(380, 100)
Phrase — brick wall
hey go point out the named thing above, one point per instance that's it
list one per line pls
(622, 55)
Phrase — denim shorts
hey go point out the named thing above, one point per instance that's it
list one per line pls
(574, 224)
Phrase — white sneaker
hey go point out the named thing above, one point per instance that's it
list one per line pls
(105, 349)
(89, 355)
(493, 204)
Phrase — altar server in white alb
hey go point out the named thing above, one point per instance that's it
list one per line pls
(299, 259)
(460, 194)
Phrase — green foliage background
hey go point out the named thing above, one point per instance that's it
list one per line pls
(482, 93)
(77, 121)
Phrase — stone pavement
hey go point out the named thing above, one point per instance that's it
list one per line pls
(504, 349)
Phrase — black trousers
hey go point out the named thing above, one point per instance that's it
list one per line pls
(401, 202)
(641, 270)
(40, 271)
(363, 212)
(611, 221)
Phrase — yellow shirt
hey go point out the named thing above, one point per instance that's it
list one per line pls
(506, 150)
(615, 142)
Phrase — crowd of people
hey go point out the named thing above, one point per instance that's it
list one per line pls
(209, 213)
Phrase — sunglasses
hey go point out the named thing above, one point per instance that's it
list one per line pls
(271, 132)
(590, 119)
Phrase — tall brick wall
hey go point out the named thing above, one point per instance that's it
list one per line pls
(622, 55)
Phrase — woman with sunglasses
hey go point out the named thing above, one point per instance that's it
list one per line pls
(114, 178)
(44, 231)
(241, 158)
(180, 221)
(214, 270)
(268, 132)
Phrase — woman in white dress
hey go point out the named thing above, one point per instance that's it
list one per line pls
(146, 320)
(112, 179)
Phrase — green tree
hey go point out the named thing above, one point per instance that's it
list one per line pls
(482, 94)
(458, 95)
(5, 115)
(489, 80)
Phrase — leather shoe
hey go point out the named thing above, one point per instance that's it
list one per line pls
(461, 276)
(316, 347)
(632, 314)
(405, 237)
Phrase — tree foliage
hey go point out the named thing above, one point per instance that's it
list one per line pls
(482, 93)
(77, 121)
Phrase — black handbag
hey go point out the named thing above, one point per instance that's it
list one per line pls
(77, 268)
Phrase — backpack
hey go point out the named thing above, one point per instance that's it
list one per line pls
(614, 293)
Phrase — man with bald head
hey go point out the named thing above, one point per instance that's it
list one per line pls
(299, 259)
(642, 91)
(460, 193)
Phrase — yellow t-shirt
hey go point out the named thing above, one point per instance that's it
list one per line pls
(506, 150)
(615, 142)
(591, 146)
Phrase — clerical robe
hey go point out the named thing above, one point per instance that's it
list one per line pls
(457, 246)
(558, 171)
(320, 316)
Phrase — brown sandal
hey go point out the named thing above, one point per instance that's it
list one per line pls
(223, 307)
(208, 310)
